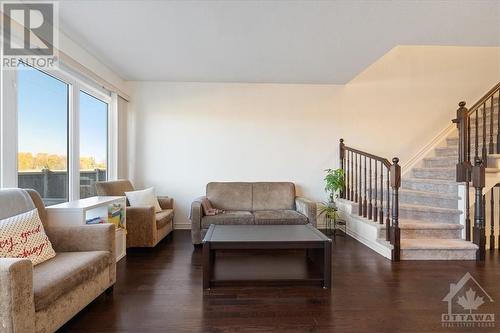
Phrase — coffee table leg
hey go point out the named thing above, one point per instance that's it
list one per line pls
(327, 265)
(207, 265)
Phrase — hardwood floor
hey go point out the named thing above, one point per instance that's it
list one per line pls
(160, 290)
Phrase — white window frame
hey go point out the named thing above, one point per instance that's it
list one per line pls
(9, 128)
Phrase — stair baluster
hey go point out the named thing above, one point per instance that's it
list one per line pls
(355, 177)
(360, 201)
(364, 178)
(387, 210)
(395, 231)
(375, 208)
(370, 192)
(381, 217)
(491, 147)
(492, 219)
(351, 195)
(484, 149)
(476, 133)
(498, 128)
(342, 164)
(365, 192)
(478, 181)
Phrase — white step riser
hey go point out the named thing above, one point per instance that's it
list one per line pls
(432, 201)
(421, 199)
(425, 173)
(437, 188)
(447, 151)
(428, 216)
(426, 234)
(431, 254)
(453, 142)
(441, 163)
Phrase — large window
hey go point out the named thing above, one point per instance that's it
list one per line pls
(43, 135)
(93, 143)
(62, 135)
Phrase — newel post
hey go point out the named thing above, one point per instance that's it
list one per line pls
(342, 157)
(464, 165)
(395, 231)
(479, 233)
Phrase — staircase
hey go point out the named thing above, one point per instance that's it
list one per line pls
(429, 217)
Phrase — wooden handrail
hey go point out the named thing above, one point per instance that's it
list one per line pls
(483, 99)
(474, 133)
(377, 194)
(385, 161)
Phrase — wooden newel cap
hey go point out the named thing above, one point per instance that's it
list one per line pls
(395, 173)
(341, 140)
(461, 104)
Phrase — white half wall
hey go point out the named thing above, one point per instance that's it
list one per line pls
(185, 135)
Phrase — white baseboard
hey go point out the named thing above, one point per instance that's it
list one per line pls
(363, 231)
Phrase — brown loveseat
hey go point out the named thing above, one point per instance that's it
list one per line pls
(251, 203)
(145, 228)
(42, 298)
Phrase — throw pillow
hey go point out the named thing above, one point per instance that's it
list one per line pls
(208, 209)
(23, 236)
(145, 197)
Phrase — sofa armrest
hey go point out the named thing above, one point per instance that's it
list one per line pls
(166, 202)
(308, 208)
(17, 305)
(141, 226)
(96, 237)
(195, 216)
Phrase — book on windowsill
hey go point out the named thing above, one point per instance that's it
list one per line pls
(95, 220)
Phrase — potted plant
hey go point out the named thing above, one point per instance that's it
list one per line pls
(334, 180)
(334, 183)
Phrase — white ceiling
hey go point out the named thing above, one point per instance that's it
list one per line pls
(268, 41)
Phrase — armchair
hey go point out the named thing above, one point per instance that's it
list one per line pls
(42, 298)
(145, 228)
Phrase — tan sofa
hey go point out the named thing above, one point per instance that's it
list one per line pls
(42, 298)
(145, 228)
(251, 203)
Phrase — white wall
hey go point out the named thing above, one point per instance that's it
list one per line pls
(183, 135)
(188, 134)
(402, 101)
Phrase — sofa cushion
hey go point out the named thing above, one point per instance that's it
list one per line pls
(229, 217)
(61, 274)
(230, 196)
(164, 217)
(273, 195)
(279, 217)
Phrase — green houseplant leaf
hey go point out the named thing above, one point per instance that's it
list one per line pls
(334, 181)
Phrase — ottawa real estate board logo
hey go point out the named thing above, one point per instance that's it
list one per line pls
(469, 305)
(29, 34)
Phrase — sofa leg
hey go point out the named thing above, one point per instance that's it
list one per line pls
(109, 291)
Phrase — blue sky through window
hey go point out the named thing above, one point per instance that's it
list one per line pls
(93, 127)
(43, 117)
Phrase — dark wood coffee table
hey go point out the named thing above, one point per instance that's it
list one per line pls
(267, 237)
